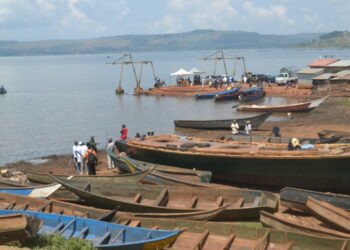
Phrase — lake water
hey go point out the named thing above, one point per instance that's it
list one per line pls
(55, 100)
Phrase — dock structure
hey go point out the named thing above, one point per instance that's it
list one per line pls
(127, 59)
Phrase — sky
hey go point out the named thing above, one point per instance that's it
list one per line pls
(30, 20)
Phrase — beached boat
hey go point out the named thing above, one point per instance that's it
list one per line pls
(17, 227)
(43, 191)
(123, 178)
(255, 121)
(295, 198)
(325, 166)
(332, 215)
(300, 224)
(331, 134)
(103, 235)
(212, 95)
(244, 204)
(245, 95)
(157, 177)
(219, 235)
(298, 107)
(18, 202)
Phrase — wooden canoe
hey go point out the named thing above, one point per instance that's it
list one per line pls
(296, 198)
(298, 107)
(244, 204)
(157, 177)
(18, 202)
(42, 191)
(330, 214)
(300, 224)
(17, 227)
(124, 178)
(255, 121)
(212, 95)
(323, 167)
(329, 134)
(103, 235)
(220, 235)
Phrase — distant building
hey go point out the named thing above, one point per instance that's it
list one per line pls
(337, 66)
(321, 63)
(306, 75)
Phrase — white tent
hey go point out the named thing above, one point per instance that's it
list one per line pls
(181, 72)
(196, 71)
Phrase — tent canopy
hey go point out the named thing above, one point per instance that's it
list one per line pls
(197, 71)
(181, 72)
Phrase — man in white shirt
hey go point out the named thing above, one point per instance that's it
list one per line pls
(83, 149)
(234, 127)
(75, 157)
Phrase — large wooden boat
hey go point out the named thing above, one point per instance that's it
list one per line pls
(17, 227)
(300, 224)
(324, 167)
(212, 95)
(43, 191)
(255, 121)
(189, 91)
(330, 214)
(244, 204)
(219, 235)
(298, 107)
(245, 95)
(296, 198)
(18, 202)
(157, 177)
(103, 235)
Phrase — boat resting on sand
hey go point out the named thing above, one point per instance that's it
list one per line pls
(43, 191)
(244, 95)
(297, 107)
(103, 235)
(296, 198)
(325, 166)
(156, 177)
(244, 204)
(212, 95)
(17, 227)
(18, 202)
(220, 235)
(255, 122)
(300, 224)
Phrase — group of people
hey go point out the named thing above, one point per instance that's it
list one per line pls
(85, 157)
(235, 127)
(143, 137)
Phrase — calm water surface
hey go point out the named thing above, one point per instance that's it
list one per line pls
(55, 100)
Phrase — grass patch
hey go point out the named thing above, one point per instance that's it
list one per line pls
(54, 242)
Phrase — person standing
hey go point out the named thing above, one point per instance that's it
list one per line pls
(83, 149)
(79, 157)
(111, 148)
(248, 127)
(93, 143)
(123, 133)
(234, 127)
(90, 160)
(75, 157)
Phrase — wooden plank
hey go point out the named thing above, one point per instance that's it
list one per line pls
(83, 232)
(219, 201)
(10, 206)
(262, 243)
(135, 223)
(155, 227)
(239, 203)
(256, 201)
(229, 242)
(287, 246)
(137, 198)
(193, 202)
(120, 233)
(87, 187)
(104, 239)
(42, 207)
(162, 199)
(201, 241)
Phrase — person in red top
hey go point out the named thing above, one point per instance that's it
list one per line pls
(91, 160)
(123, 133)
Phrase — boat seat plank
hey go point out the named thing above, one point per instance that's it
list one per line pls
(58, 228)
(42, 207)
(85, 215)
(120, 233)
(135, 223)
(193, 202)
(201, 241)
(10, 206)
(25, 207)
(262, 242)
(239, 203)
(219, 201)
(126, 223)
(83, 232)
(162, 199)
(229, 242)
(67, 225)
(287, 246)
(155, 227)
(256, 201)
(137, 198)
(87, 187)
(104, 239)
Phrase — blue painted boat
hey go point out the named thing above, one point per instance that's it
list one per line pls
(251, 94)
(43, 191)
(212, 95)
(103, 235)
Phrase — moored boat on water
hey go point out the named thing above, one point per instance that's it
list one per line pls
(103, 235)
(212, 95)
(298, 107)
(245, 95)
(255, 122)
(242, 204)
(324, 166)
(2, 90)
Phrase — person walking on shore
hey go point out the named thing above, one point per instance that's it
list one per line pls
(234, 127)
(75, 156)
(123, 133)
(248, 127)
(83, 168)
(111, 148)
(91, 160)
(93, 143)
